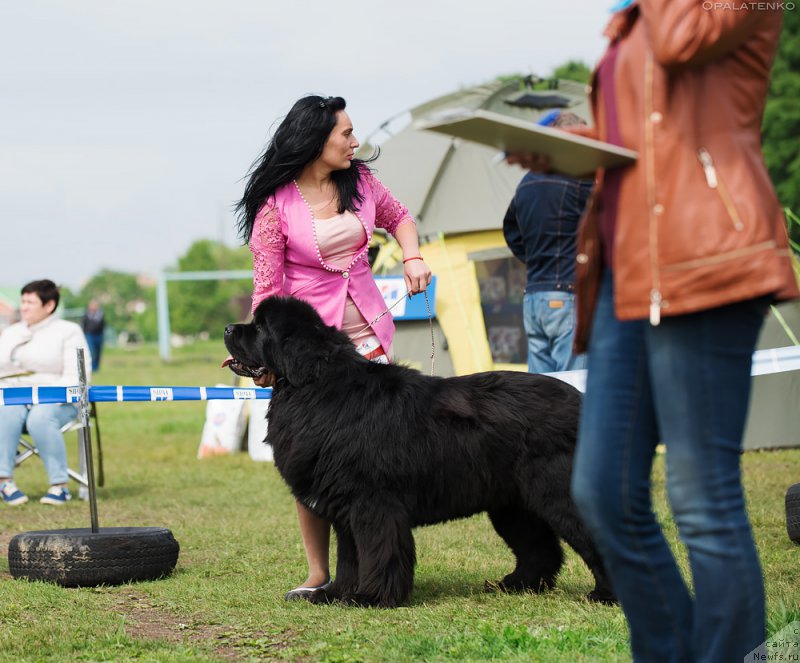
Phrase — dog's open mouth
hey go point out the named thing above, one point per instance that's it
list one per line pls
(240, 369)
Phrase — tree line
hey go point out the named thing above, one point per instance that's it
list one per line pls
(129, 301)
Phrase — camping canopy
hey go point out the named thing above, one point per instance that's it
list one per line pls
(450, 185)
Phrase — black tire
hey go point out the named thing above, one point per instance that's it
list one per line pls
(793, 512)
(81, 558)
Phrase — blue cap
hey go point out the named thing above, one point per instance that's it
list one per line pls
(549, 118)
(621, 6)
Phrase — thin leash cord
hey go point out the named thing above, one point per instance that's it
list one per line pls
(430, 321)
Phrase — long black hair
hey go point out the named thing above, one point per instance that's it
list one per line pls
(297, 142)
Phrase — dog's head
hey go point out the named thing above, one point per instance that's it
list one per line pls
(286, 338)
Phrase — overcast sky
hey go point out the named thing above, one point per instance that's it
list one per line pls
(126, 126)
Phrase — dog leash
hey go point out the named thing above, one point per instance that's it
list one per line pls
(430, 322)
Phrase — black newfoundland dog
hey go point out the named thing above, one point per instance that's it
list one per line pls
(380, 449)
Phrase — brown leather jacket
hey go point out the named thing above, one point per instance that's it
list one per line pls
(699, 224)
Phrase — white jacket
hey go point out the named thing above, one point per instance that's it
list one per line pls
(46, 349)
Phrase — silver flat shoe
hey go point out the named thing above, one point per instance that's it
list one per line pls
(302, 593)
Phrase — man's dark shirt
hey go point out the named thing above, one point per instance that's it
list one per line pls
(540, 227)
(93, 323)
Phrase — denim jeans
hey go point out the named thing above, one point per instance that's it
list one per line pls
(549, 319)
(44, 424)
(686, 383)
(95, 343)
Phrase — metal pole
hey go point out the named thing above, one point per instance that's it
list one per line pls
(162, 309)
(85, 433)
(162, 303)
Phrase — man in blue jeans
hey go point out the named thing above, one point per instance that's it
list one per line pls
(93, 324)
(540, 228)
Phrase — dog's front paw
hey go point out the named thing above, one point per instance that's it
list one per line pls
(604, 597)
(353, 600)
(357, 600)
(320, 596)
(508, 585)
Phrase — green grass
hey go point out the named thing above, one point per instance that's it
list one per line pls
(241, 550)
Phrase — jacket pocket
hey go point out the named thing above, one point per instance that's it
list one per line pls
(295, 288)
(714, 181)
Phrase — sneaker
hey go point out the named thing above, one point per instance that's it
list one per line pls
(57, 495)
(12, 495)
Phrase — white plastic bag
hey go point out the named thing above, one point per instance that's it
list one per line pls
(257, 431)
(223, 431)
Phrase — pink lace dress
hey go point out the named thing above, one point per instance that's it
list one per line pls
(288, 259)
(339, 238)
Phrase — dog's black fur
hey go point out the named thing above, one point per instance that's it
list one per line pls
(380, 449)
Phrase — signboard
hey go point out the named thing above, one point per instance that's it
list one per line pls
(393, 288)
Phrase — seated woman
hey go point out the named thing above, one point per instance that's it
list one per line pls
(41, 351)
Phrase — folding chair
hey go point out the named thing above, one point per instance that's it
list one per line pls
(28, 449)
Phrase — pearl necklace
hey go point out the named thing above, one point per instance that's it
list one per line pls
(346, 271)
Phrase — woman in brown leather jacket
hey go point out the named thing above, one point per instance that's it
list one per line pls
(680, 255)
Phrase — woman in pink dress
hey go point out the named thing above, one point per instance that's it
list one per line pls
(308, 214)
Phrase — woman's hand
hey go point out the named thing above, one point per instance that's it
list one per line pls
(417, 275)
(266, 379)
(415, 272)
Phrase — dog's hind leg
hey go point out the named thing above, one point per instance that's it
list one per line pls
(535, 546)
(546, 493)
(568, 525)
(386, 555)
(577, 536)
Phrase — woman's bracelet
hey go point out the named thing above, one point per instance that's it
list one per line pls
(405, 260)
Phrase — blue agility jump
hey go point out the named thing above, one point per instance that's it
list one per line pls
(765, 362)
(121, 394)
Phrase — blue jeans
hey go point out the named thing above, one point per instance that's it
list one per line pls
(549, 319)
(44, 424)
(95, 343)
(686, 383)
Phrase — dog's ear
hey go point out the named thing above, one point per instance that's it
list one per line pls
(296, 339)
(304, 368)
(306, 354)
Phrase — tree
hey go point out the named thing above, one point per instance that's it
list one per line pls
(208, 306)
(781, 130)
(129, 301)
(125, 298)
(573, 70)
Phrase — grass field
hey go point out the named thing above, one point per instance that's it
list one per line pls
(241, 550)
